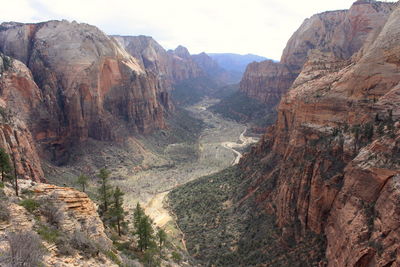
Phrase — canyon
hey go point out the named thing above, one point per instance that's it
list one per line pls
(329, 166)
(318, 187)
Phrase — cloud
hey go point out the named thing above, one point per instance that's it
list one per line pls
(240, 26)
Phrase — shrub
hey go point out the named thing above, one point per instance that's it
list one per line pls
(53, 214)
(81, 242)
(4, 212)
(25, 249)
(48, 233)
(30, 204)
(176, 257)
(112, 256)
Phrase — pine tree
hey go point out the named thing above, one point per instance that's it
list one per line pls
(82, 180)
(117, 211)
(105, 191)
(138, 213)
(162, 237)
(143, 228)
(145, 233)
(5, 164)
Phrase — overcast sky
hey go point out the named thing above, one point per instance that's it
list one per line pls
(238, 26)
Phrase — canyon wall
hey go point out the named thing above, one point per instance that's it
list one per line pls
(340, 32)
(330, 164)
(90, 87)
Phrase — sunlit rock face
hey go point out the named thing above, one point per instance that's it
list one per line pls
(332, 158)
(89, 85)
(341, 33)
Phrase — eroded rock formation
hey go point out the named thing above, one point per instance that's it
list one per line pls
(342, 33)
(330, 164)
(89, 85)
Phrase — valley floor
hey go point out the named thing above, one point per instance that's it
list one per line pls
(148, 167)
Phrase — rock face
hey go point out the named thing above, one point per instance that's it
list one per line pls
(172, 66)
(330, 164)
(19, 95)
(90, 86)
(340, 32)
(266, 73)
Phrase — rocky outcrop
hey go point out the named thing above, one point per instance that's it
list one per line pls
(341, 33)
(90, 86)
(330, 164)
(74, 214)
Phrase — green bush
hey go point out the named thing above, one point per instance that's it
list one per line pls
(30, 204)
(112, 256)
(49, 234)
(176, 257)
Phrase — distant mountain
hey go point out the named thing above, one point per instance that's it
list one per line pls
(235, 62)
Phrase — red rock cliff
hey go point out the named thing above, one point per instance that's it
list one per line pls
(341, 32)
(90, 86)
(18, 96)
(330, 164)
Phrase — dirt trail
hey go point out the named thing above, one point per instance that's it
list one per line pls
(244, 141)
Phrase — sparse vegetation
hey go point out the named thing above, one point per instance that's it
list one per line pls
(30, 204)
(221, 232)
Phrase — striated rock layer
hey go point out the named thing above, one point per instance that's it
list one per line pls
(89, 85)
(331, 163)
(340, 32)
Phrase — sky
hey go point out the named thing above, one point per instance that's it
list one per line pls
(260, 27)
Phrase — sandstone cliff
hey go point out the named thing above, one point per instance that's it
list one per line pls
(342, 33)
(330, 164)
(89, 85)
(19, 95)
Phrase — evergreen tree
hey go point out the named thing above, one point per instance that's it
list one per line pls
(143, 228)
(82, 180)
(116, 211)
(138, 213)
(5, 164)
(105, 191)
(162, 237)
(145, 233)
